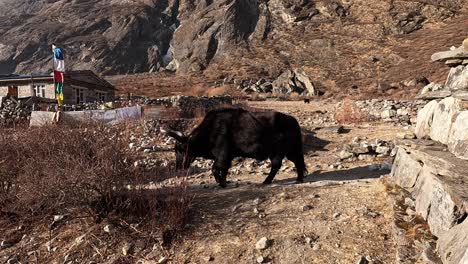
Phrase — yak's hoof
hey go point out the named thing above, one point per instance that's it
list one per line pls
(299, 181)
(222, 185)
(267, 182)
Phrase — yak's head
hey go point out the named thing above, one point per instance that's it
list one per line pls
(184, 157)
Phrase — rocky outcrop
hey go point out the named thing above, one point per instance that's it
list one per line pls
(437, 181)
(445, 122)
(212, 31)
(458, 78)
(434, 169)
(294, 82)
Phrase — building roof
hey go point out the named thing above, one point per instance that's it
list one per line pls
(16, 77)
(85, 78)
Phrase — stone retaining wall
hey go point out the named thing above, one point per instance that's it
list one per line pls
(434, 168)
(438, 182)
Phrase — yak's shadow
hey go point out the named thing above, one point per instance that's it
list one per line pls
(313, 143)
(357, 173)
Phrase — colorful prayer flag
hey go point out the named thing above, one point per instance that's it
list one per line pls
(59, 70)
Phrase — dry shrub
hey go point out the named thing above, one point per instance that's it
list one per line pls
(295, 96)
(349, 113)
(60, 166)
(52, 169)
(222, 90)
(198, 90)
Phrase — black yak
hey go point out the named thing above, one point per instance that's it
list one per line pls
(225, 134)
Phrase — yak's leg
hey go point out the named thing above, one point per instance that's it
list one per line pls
(216, 172)
(276, 163)
(221, 165)
(220, 170)
(298, 160)
(223, 160)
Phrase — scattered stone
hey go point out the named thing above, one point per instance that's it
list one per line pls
(263, 243)
(316, 247)
(306, 208)
(362, 260)
(127, 248)
(6, 244)
(336, 215)
(12, 260)
(209, 258)
(260, 259)
(108, 228)
(163, 260)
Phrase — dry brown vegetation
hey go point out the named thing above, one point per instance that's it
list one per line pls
(349, 113)
(84, 171)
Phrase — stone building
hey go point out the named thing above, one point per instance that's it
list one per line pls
(79, 87)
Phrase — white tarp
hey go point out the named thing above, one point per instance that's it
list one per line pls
(40, 118)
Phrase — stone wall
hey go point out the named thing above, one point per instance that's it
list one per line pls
(434, 167)
(13, 112)
(190, 106)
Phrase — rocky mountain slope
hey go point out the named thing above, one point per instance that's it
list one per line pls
(339, 44)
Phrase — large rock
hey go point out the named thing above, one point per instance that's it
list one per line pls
(459, 53)
(294, 82)
(458, 137)
(432, 87)
(435, 203)
(443, 118)
(405, 170)
(453, 244)
(457, 78)
(424, 119)
(209, 33)
(303, 80)
(440, 193)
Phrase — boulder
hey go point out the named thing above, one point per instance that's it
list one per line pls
(405, 170)
(293, 82)
(444, 115)
(458, 136)
(457, 79)
(458, 53)
(441, 186)
(432, 87)
(424, 120)
(303, 80)
(441, 94)
(453, 244)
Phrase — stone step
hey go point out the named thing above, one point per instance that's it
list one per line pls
(438, 182)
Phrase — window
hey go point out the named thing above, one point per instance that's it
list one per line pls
(100, 96)
(79, 96)
(39, 90)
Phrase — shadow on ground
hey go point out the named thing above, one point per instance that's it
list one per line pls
(357, 173)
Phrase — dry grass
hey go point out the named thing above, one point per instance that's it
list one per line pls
(349, 113)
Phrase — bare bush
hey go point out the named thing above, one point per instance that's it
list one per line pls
(349, 113)
(49, 170)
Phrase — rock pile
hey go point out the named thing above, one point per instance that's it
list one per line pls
(400, 112)
(434, 167)
(288, 82)
(189, 105)
(361, 149)
(12, 111)
(457, 80)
